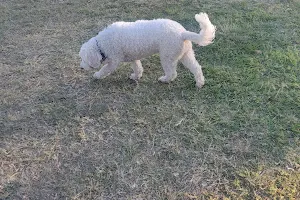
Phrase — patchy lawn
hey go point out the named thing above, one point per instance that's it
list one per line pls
(64, 135)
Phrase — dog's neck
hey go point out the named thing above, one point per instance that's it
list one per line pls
(101, 52)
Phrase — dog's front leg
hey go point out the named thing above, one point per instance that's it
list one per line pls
(106, 70)
(137, 70)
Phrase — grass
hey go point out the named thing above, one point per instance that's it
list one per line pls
(64, 135)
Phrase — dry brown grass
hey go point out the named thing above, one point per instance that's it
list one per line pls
(64, 135)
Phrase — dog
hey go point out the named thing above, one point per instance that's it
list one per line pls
(132, 41)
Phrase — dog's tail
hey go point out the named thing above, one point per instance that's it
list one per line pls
(207, 33)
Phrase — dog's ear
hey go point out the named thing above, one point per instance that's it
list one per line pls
(89, 54)
(93, 58)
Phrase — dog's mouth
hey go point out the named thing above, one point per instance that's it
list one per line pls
(85, 66)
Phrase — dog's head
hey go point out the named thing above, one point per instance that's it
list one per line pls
(90, 57)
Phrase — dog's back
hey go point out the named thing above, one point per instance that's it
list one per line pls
(144, 37)
(148, 25)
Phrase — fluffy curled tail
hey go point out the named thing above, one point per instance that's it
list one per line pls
(207, 33)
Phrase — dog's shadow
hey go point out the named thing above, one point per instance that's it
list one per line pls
(112, 83)
(118, 93)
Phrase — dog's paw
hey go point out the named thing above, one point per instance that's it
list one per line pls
(200, 84)
(164, 79)
(135, 77)
(97, 75)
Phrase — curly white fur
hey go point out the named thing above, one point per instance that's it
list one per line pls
(132, 41)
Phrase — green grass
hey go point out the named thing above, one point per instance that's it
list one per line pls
(64, 135)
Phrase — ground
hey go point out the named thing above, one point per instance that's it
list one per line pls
(64, 135)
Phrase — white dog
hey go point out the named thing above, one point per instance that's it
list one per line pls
(132, 41)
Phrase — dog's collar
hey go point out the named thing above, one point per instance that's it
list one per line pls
(101, 52)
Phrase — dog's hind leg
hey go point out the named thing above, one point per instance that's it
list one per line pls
(190, 62)
(137, 70)
(169, 67)
(106, 70)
